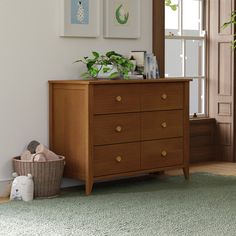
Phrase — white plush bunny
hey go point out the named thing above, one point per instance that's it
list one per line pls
(22, 188)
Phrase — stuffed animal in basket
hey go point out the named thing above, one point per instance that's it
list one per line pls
(22, 188)
(38, 153)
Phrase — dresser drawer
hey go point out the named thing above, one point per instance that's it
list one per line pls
(115, 159)
(161, 124)
(111, 129)
(116, 98)
(162, 96)
(161, 153)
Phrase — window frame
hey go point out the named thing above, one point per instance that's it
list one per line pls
(202, 106)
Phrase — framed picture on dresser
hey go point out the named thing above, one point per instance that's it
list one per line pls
(122, 19)
(80, 18)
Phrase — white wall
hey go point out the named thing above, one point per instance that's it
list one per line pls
(31, 53)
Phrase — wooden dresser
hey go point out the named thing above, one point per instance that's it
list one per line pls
(109, 129)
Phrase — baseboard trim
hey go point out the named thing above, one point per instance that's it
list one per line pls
(5, 188)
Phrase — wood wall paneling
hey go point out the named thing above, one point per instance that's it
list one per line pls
(202, 140)
(225, 8)
(224, 134)
(221, 76)
(225, 68)
(224, 109)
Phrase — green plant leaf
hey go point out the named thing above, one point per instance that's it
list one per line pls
(173, 7)
(78, 61)
(106, 69)
(113, 53)
(93, 72)
(114, 75)
(231, 21)
(101, 62)
(85, 75)
(106, 62)
(96, 55)
(90, 64)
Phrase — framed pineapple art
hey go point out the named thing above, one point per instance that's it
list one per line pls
(122, 19)
(80, 18)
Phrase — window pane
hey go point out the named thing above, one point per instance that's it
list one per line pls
(194, 58)
(173, 58)
(191, 17)
(197, 96)
(171, 19)
(185, 57)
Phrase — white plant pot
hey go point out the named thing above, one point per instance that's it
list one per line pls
(106, 75)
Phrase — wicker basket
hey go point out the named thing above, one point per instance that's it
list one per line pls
(47, 175)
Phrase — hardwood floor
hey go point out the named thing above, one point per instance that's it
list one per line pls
(220, 168)
(4, 200)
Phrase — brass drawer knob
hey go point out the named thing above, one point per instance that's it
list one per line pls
(119, 159)
(118, 98)
(118, 129)
(164, 96)
(164, 125)
(164, 153)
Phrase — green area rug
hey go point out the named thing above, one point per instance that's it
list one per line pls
(206, 205)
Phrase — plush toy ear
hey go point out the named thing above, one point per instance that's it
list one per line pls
(30, 176)
(14, 175)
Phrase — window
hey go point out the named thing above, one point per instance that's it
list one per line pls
(185, 49)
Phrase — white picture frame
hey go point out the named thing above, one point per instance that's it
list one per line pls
(122, 19)
(80, 18)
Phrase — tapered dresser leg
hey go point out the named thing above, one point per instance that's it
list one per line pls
(88, 187)
(186, 172)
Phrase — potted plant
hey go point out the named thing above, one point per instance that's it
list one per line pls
(111, 65)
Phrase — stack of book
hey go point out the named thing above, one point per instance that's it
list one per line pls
(151, 67)
(146, 65)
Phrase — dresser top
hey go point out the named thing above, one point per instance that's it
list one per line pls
(123, 81)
